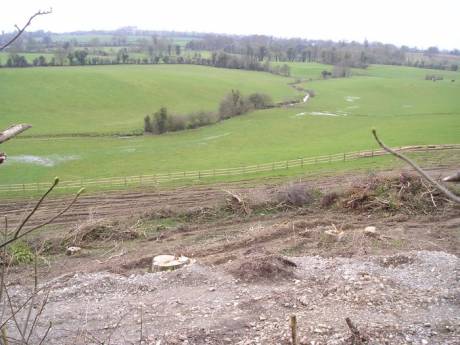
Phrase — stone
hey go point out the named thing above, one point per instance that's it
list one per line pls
(72, 250)
(371, 231)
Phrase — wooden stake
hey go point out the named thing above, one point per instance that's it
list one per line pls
(294, 329)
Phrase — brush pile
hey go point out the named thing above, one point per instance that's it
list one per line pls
(407, 193)
(100, 230)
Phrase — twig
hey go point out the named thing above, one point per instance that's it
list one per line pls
(142, 324)
(46, 333)
(37, 205)
(355, 332)
(38, 314)
(52, 219)
(20, 31)
(13, 316)
(115, 328)
(437, 185)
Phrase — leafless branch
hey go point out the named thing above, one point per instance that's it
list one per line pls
(12, 131)
(52, 219)
(21, 30)
(437, 185)
(37, 205)
(46, 333)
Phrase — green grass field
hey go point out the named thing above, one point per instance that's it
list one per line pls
(406, 109)
(107, 99)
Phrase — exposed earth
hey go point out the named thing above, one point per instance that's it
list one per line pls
(390, 265)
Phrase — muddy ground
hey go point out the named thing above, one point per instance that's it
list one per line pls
(253, 267)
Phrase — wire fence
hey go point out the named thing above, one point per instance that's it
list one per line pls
(155, 179)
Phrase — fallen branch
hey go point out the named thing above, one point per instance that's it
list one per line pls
(238, 202)
(437, 185)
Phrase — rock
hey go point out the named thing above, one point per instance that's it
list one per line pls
(72, 250)
(371, 231)
(168, 262)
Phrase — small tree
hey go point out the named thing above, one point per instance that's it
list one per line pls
(233, 104)
(148, 128)
(160, 120)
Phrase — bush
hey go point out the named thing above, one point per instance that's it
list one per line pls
(232, 105)
(260, 100)
(175, 123)
(148, 128)
(200, 119)
(20, 253)
(340, 71)
(296, 194)
(160, 119)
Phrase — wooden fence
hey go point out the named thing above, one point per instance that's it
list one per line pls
(156, 179)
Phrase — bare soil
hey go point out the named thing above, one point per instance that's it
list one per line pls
(251, 272)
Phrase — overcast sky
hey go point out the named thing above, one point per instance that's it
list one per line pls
(420, 23)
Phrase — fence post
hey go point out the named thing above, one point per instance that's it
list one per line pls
(344, 157)
(273, 166)
(199, 175)
(372, 153)
(23, 187)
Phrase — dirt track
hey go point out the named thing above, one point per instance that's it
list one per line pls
(135, 202)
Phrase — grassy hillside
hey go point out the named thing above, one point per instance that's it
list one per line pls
(104, 99)
(406, 109)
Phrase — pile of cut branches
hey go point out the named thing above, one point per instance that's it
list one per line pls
(407, 193)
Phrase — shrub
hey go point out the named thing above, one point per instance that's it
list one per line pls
(296, 194)
(175, 123)
(200, 119)
(233, 104)
(160, 119)
(148, 128)
(329, 199)
(340, 71)
(20, 253)
(260, 100)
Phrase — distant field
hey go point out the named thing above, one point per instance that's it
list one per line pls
(406, 109)
(107, 99)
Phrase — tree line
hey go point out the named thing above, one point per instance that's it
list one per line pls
(233, 104)
(157, 47)
(81, 57)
